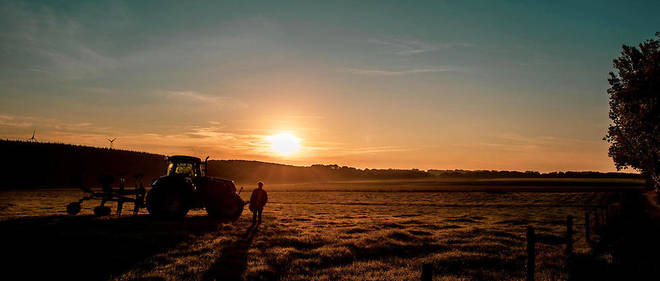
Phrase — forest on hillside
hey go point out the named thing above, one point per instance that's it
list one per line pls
(34, 164)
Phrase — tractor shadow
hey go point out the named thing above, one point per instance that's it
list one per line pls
(90, 248)
(232, 263)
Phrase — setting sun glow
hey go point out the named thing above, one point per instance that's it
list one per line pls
(284, 144)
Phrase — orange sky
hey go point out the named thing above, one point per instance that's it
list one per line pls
(375, 85)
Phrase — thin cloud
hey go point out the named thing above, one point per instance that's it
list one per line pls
(380, 72)
(12, 121)
(54, 42)
(376, 150)
(511, 142)
(50, 125)
(213, 139)
(194, 97)
(405, 47)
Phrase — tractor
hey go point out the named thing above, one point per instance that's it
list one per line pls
(187, 186)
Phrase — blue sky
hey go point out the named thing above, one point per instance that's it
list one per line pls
(436, 84)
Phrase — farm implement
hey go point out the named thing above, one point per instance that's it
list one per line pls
(108, 194)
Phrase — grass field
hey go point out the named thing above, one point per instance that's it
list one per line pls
(355, 234)
(467, 184)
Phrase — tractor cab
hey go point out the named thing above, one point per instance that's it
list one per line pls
(186, 166)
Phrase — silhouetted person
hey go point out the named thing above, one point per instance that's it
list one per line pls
(257, 202)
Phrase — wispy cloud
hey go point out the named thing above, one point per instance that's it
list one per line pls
(337, 149)
(512, 142)
(53, 40)
(212, 138)
(406, 47)
(48, 129)
(375, 150)
(13, 121)
(194, 97)
(381, 72)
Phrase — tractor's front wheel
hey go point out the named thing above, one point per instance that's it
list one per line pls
(102, 211)
(228, 208)
(166, 202)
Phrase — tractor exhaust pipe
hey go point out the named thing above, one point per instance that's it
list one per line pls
(206, 166)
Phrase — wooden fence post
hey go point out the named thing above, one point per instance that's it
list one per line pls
(587, 226)
(427, 272)
(531, 253)
(569, 235)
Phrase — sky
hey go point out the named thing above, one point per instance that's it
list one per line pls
(506, 85)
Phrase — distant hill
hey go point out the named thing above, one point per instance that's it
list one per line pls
(35, 164)
(253, 171)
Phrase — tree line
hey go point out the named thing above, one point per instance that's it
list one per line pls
(528, 174)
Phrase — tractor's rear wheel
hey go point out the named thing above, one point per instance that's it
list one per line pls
(73, 208)
(166, 202)
(228, 208)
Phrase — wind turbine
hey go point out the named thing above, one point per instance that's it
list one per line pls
(32, 138)
(112, 141)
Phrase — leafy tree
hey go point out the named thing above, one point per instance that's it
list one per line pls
(634, 93)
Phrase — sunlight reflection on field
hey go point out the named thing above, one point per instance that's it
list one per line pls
(364, 235)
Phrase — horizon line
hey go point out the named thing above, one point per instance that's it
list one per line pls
(335, 164)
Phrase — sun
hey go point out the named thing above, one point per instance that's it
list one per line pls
(284, 144)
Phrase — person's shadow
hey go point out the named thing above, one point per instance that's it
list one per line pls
(232, 262)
